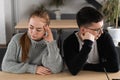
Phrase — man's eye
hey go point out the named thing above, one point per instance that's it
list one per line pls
(97, 29)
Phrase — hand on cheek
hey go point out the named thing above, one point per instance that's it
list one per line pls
(48, 34)
(87, 36)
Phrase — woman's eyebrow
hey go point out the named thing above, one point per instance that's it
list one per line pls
(37, 27)
(31, 25)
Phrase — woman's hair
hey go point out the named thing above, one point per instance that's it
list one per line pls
(88, 15)
(42, 13)
(25, 42)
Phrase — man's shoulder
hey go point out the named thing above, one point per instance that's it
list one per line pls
(105, 33)
(72, 37)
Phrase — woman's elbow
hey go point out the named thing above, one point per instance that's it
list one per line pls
(57, 69)
(5, 68)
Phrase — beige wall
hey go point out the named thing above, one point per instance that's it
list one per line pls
(24, 7)
(2, 23)
(12, 11)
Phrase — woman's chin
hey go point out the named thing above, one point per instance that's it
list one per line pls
(33, 38)
(36, 39)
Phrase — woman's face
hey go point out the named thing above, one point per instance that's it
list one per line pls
(36, 28)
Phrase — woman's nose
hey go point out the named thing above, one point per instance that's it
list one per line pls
(34, 31)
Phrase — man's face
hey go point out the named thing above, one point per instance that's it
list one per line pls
(95, 28)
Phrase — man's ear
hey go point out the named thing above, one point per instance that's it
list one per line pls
(82, 30)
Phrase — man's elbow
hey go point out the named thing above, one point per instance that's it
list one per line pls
(74, 71)
(114, 70)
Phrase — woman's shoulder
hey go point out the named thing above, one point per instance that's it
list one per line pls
(17, 36)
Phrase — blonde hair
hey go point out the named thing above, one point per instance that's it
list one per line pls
(24, 40)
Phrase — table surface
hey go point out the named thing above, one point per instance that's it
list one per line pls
(53, 24)
(83, 75)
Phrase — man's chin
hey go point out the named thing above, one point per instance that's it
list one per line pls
(96, 38)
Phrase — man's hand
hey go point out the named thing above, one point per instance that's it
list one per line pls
(88, 36)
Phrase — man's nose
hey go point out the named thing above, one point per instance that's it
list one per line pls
(101, 30)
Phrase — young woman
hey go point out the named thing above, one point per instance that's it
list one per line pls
(34, 51)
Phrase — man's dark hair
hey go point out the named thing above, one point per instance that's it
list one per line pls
(88, 15)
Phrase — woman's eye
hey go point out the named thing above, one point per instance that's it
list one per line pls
(31, 27)
(38, 30)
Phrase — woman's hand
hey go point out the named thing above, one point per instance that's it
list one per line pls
(48, 34)
(43, 70)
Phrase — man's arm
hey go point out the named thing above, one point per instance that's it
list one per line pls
(74, 58)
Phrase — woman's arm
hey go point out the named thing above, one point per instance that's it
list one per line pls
(53, 59)
(10, 61)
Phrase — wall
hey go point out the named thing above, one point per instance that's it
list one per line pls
(24, 7)
(13, 11)
(9, 21)
(2, 23)
(6, 21)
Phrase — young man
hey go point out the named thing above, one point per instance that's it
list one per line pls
(91, 48)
